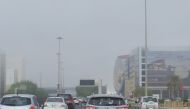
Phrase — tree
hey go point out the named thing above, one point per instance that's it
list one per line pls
(28, 87)
(84, 91)
(140, 91)
(174, 86)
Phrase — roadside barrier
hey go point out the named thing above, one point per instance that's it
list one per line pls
(177, 104)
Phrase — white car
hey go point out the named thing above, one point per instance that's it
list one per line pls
(76, 101)
(55, 103)
(148, 102)
(19, 101)
(105, 101)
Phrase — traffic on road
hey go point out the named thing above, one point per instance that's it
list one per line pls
(67, 101)
(94, 54)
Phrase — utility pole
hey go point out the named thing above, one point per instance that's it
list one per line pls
(59, 84)
(40, 80)
(146, 52)
(100, 86)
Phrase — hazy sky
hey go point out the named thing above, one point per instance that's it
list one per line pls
(95, 33)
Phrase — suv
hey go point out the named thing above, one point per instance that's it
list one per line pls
(148, 102)
(19, 101)
(106, 102)
(55, 103)
(68, 99)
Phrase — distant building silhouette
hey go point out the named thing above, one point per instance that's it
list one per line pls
(2, 73)
(15, 69)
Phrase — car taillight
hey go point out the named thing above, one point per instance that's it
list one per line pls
(90, 107)
(32, 107)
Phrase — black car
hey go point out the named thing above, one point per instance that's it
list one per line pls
(68, 99)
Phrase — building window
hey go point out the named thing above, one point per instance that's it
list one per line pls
(143, 52)
(143, 66)
(143, 72)
(143, 79)
(143, 84)
(143, 60)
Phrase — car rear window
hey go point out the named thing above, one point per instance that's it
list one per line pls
(106, 101)
(16, 101)
(54, 100)
(149, 99)
(65, 96)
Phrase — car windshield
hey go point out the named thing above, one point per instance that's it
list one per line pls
(147, 99)
(106, 101)
(16, 101)
(54, 100)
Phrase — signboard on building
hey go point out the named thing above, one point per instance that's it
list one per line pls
(87, 82)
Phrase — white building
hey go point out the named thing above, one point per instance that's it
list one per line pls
(15, 70)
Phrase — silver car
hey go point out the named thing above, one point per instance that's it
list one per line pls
(19, 101)
(106, 102)
(148, 102)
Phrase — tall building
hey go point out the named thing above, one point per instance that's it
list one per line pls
(2, 73)
(120, 71)
(161, 65)
(15, 69)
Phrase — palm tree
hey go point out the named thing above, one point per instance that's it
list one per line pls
(174, 86)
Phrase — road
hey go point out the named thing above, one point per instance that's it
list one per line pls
(78, 107)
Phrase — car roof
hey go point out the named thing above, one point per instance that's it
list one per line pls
(105, 95)
(55, 97)
(20, 95)
(64, 94)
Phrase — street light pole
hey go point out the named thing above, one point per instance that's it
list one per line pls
(59, 84)
(146, 51)
(40, 80)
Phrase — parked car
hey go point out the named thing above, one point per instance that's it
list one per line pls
(68, 99)
(55, 103)
(19, 101)
(106, 102)
(148, 102)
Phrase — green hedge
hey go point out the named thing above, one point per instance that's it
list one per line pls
(84, 91)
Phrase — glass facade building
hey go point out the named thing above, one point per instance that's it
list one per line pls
(161, 65)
